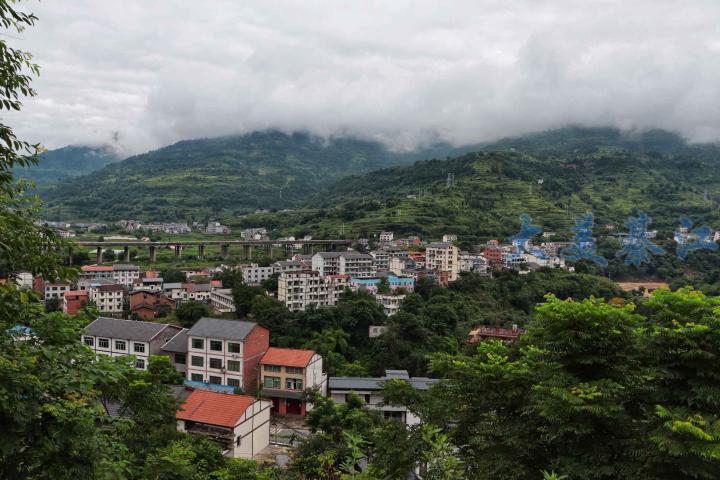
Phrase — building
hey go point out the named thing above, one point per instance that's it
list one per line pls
(176, 348)
(443, 257)
(239, 423)
(285, 373)
(96, 272)
(55, 290)
(354, 264)
(108, 298)
(390, 303)
(381, 259)
(125, 275)
(493, 253)
(114, 337)
(288, 266)
(254, 274)
(74, 300)
(385, 237)
(254, 234)
(471, 262)
(222, 301)
(149, 283)
(375, 331)
(299, 290)
(226, 352)
(216, 228)
(449, 238)
(369, 389)
(485, 332)
(394, 282)
(148, 305)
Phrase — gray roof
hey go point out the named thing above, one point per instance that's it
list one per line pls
(178, 343)
(172, 286)
(126, 329)
(356, 255)
(440, 245)
(329, 254)
(221, 328)
(114, 409)
(374, 383)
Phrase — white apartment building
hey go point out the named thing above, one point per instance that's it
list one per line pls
(380, 259)
(116, 338)
(390, 303)
(226, 352)
(25, 280)
(253, 274)
(221, 300)
(443, 257)
(299, 290)
(355, 264)
(288, 266)
(473, 262)
(386, 237)
(216, 228)
(125, 274)
(55, 290)
(148, 284)
(449, 238)
(108, 298)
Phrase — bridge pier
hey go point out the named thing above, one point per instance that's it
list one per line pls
(153, 253)
(224, 250)
(70, 255)
(99, 256)
(178, 252)
(126, 253)
(201, 251)
(247, 252)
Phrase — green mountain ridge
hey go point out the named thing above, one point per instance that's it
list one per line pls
(551, 175)
(67, 162)
(199, 179)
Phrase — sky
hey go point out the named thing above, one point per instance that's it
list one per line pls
(140, 75)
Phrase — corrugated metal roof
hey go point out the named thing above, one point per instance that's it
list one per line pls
(221, 328)
(126, 329)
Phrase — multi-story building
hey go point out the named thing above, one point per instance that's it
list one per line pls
(380, 259)
(226, 352)
(74, 300)
(471, 262)
(55, 290)
(125, 274)
(254, 274)
(147, 305)
(394, 282)
(216, 228)
(240, 424)
(285, 373)
(369, 389)
(385, 237)
(299, 290)
(108, 298)
(354, 264)
(254, 234)
(153, 284)
(449, 238)
(288, 266)
(443, 257)
(176, 348)
(390, 303)
(110, 336)
(222, 301)
(96, 272)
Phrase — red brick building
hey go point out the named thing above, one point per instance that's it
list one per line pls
(147, 304)
(74, 300)
(285, 373)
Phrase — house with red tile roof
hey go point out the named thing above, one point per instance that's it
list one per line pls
(285, 373)
(239, 423)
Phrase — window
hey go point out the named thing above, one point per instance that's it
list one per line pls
(216, 345)
(215, 380)
(196, 361)
(140, 363)
(196, 377)
(120, 345)
(271, 368)
(237, 441)
(180, 358)
(139, 347)
(198, 343)
(89, 341)
(233, 347)
(233, 382)
(233, 365)
(103, 343)
(294, 370)
(271, 382)
(293, 384)
(215, 363)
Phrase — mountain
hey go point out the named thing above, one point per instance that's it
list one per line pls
(550, 175)
(67, 162)
(228, 175)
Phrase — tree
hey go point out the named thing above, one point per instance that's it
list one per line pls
(190, 312)
(53, 305)
(173, 276)
(229, 277)
(161, 370)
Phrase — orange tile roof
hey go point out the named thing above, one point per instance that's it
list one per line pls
(221, 409)
(96, 268)
(73, 293)
(288, 357)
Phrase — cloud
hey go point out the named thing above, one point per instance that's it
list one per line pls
(403, 72)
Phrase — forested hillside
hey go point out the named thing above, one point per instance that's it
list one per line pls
(552, 176)
(196, 179)
(67, 162)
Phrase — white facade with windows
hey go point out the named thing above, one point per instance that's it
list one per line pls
(299, 290)
(125, 274)
(443, 257)
(215, 361)
(56, 290)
